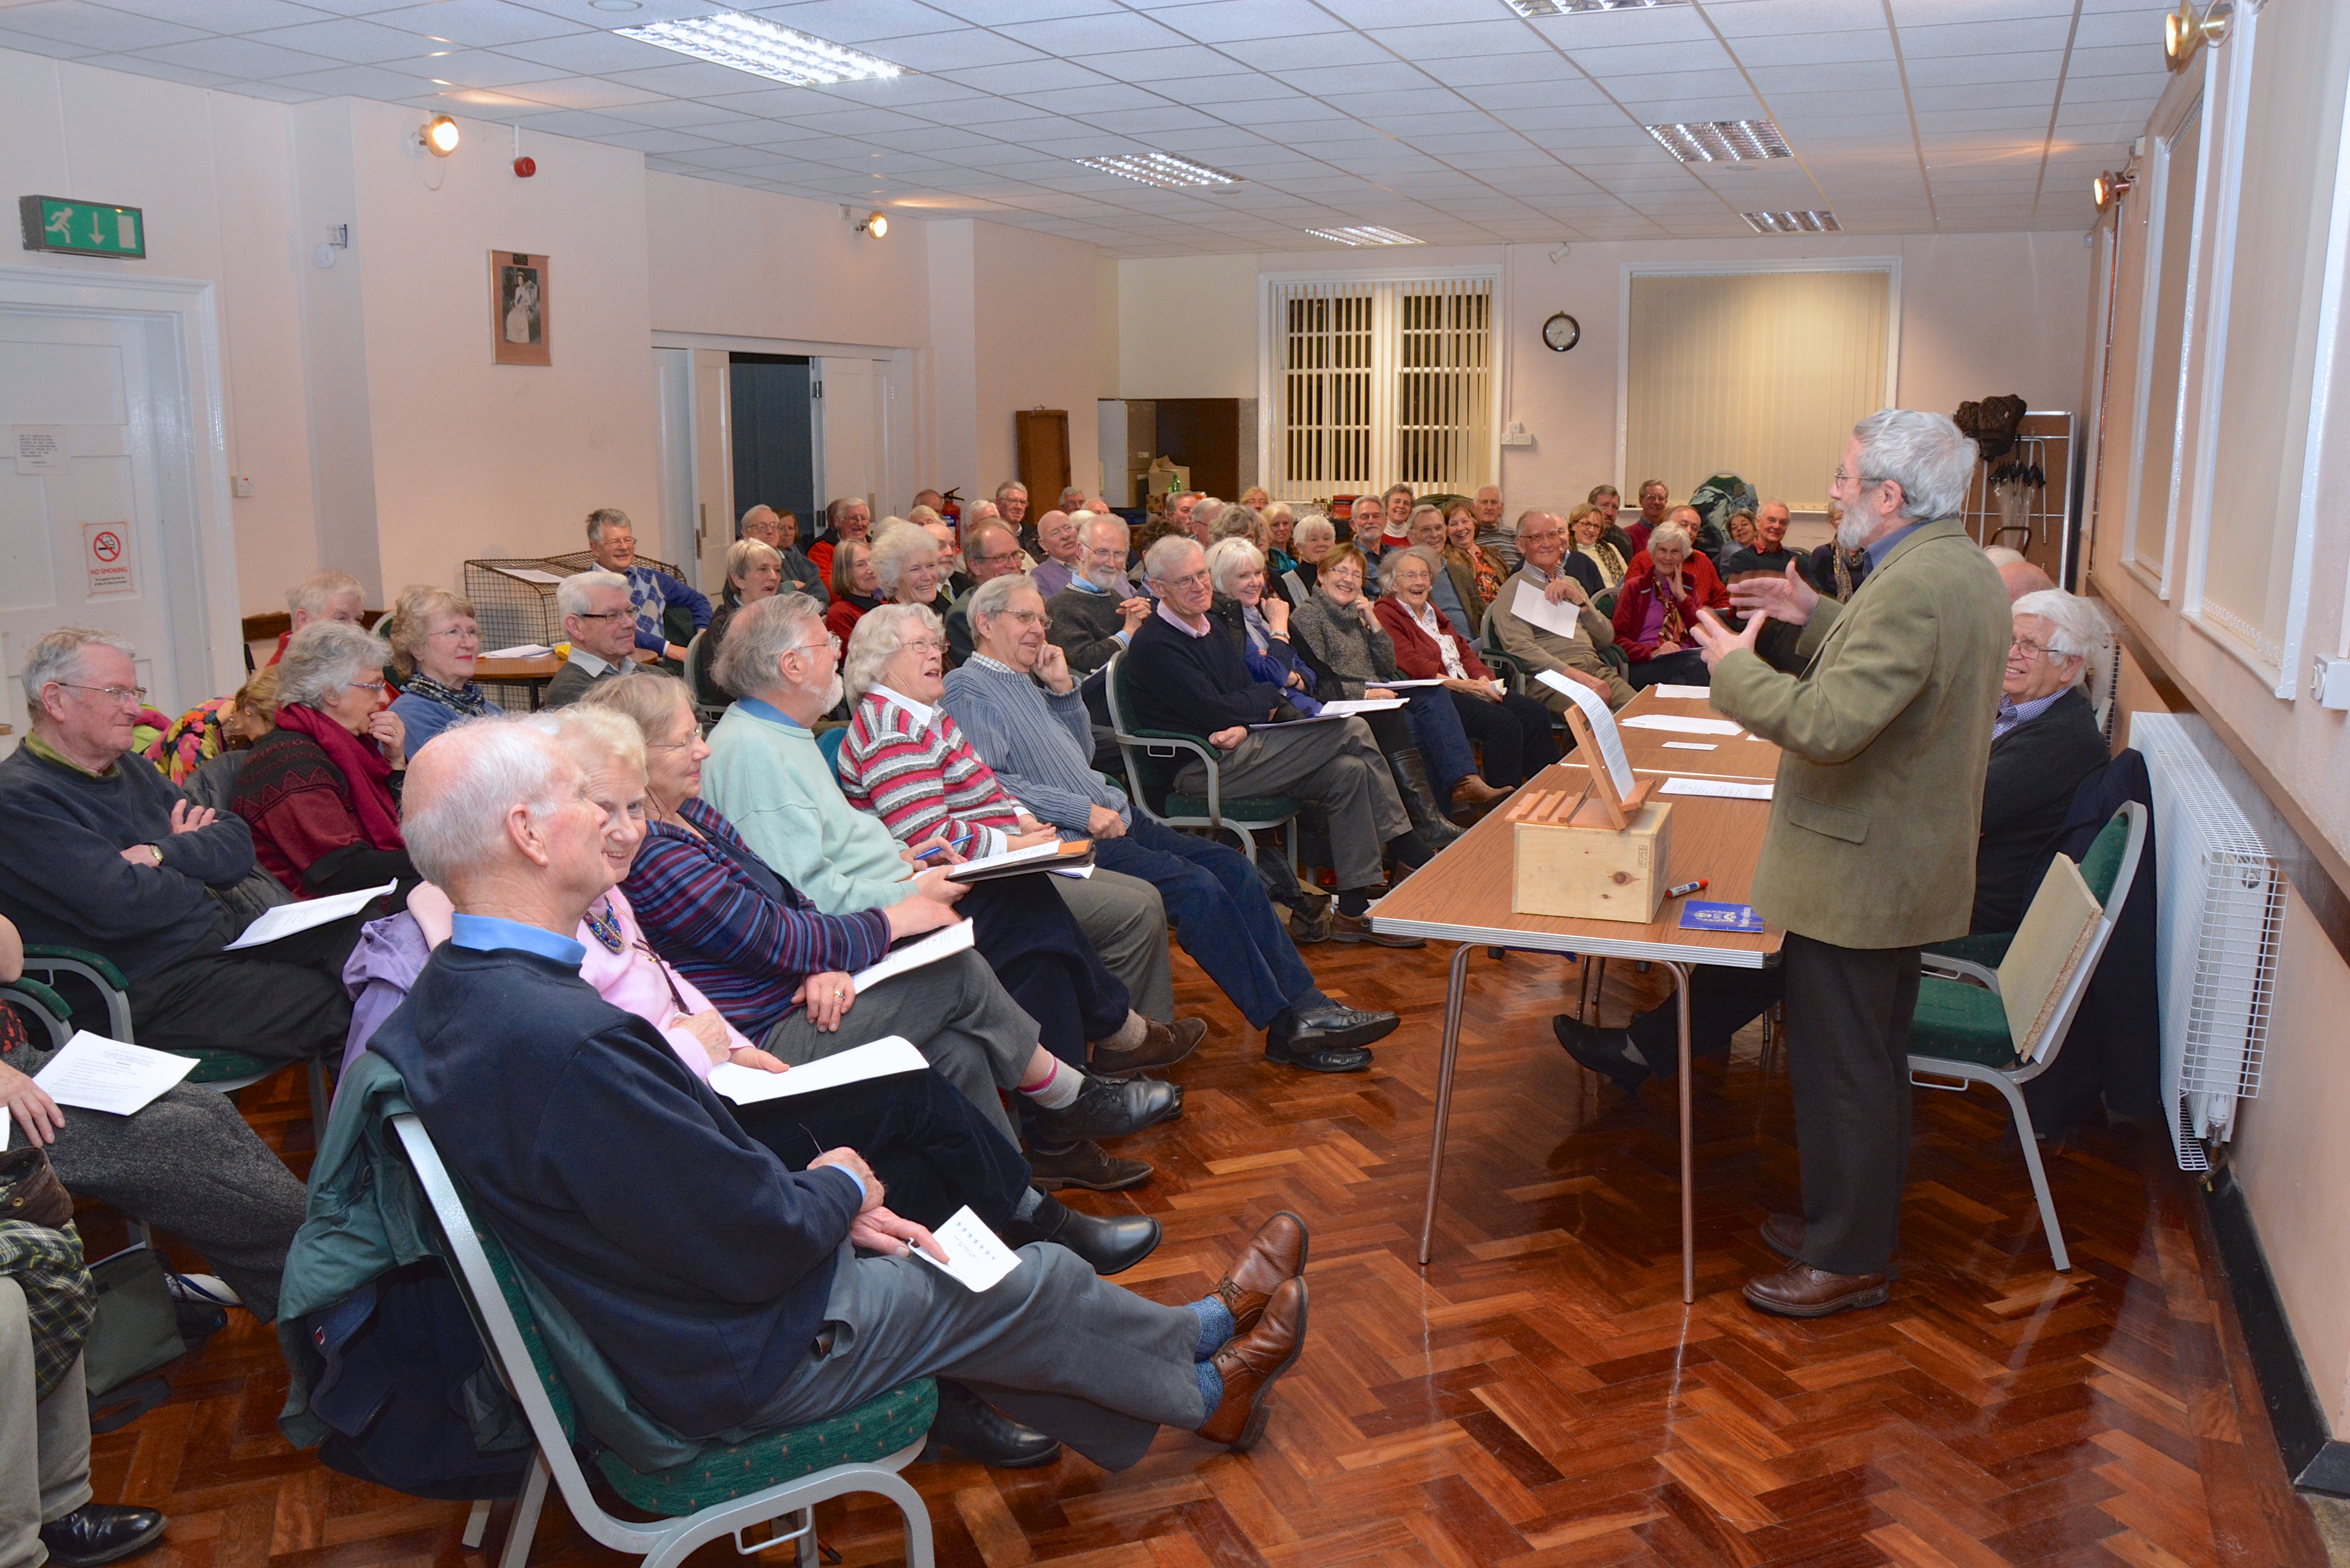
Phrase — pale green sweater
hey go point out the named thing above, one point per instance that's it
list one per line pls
(766, 776)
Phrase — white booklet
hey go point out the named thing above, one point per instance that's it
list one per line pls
(1686, 694)
(879, 1059)
(1691, 746)
(522, 650)
(1074, 856)
(976, 1256)
(1674, 724)
(1532, 607)
(101, 1075)
(305, 914)
(1728, 789)
(944, 942)
(1602, 722)
(1353, 705)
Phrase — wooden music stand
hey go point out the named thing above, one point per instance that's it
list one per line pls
(1618, 809)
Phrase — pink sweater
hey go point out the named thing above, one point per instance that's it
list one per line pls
(634, 980)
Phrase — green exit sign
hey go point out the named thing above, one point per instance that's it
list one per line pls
(82, 228)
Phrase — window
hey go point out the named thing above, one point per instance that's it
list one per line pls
(2171, 221)
(1376, 381)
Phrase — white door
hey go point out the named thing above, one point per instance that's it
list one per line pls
(852, 432)
(80, 516)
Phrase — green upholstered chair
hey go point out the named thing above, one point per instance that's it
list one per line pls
(1153, 758)
(42, 1006)
(1959, 1034)
(777, 1478)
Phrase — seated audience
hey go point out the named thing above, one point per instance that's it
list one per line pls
(1485, 569)
(321, 792)
(673, 1217)
(953, 581)
(1315, 537)
(1588, 526)
(1769, 552)
(1280, 537)
(1367, 519)
(1548, 568)
(1056, 537)
(1669, 583)
(1034, 742)
(990, 550)
(1512, 731)
(1654, 498)
(1182, 674)
(600, 625)
(1094, 617)
(856, 588)
(1200, 521)
(1493, 534)
(754, 571)
(1012, 508)
(844, 518)
(322, 596)
(612, 540)
(779, 530)
(435, 641)
(1398, 501)
(1608, 501)
(213, 730)
(906, 562)
(935, 499)
(1072, 499)
(1455, 590)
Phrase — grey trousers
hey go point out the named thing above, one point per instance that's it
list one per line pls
(956, 1012)
(1126, 920)
(1338, 767)
(188, 1163)
(43, 1447)
(1053, 1346)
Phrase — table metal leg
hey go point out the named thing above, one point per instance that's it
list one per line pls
(1689, 1182)
(1454, 995)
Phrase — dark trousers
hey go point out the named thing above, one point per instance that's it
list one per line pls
(284, 1001)
(1722, 1002)
(1037, 948)
(1514, 735)
(932, 1149)
(1849, 1012)
(1221, 916)
(1686, 667)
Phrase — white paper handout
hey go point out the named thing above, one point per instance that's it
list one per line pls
(527, 574)
(1728, 789)
(101, 1075)
(1691, 746)
(1603, 725)
(975, 1256)
(1407, 685)
(1681, 726)
(878, 1059)
(522, 650)
(985, 867)
(944, 942)
(1529, 606)
(1685, 693)
(1352, 706)
(287, 918)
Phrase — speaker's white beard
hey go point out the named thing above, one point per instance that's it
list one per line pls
(1854, 529)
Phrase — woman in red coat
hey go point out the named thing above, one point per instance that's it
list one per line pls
(1512, 731)
(1663, 589)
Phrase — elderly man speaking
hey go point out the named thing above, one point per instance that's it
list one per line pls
(1886, 731)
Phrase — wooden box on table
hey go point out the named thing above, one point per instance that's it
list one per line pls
(1573, 861)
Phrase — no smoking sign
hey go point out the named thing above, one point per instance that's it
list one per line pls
(106, 558)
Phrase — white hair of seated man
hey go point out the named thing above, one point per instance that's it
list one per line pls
(574, 595)
(462, 789)
(761, 635)
(313, 599)
(57, 659)
(2077, 627)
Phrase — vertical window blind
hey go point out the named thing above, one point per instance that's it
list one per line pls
(1380, 382)
(1761, 375)
(2171, 248)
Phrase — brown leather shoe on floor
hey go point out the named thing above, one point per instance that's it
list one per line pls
(1783, 1234)
(1803, 1291)
(1345, 927)
(1163, 1045)
(1083, 1164)
(1252, 1364)
(1276, 1252)
(1475, 791)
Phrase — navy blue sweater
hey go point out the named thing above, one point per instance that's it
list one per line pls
(1195, 685)
(697, 1263)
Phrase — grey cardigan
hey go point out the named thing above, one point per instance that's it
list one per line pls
(1357, 655)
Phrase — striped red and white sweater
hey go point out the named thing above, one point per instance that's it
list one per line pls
(920, 778)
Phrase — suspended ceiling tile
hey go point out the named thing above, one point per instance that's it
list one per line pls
(589, 53)
(952, 49)
(1748, 19)
(353, 42)
(482, 24)
(1802, 49)
(1237, 21)
(94, 28)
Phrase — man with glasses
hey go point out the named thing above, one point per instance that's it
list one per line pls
(652, 595)
(601, 626)
(1095, 616)
(990, 550)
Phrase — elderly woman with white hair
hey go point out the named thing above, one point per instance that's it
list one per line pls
(321, 792)
(906, 562)
(1313, 537)
(435, 639)
(2043, 743)
(1656, 610)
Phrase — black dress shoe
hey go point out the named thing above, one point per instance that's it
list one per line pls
(99, 1532)
(1106, 1108)
(1289, 1046)
(1602, 1051)
(1111, 1246)
(1081, 1163)
(1334, 1025)
(978, 1430)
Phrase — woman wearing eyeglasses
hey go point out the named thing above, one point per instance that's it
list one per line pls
(321, 792)
(435, 641)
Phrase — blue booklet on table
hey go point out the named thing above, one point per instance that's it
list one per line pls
(1703, 916)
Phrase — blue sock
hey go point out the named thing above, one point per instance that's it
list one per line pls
(1212, 1387)
(1216, 1327)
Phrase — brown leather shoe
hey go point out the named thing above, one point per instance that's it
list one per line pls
(1163, 1045)
(1783, 1234)
(1345, 927)
(1252, 1364)
(1803, 1291)
(1475, 791)
(1276, 1252)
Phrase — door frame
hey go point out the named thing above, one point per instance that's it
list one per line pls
(180, 318)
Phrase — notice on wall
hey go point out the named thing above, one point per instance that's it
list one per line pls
(105, 556)
(40, 448)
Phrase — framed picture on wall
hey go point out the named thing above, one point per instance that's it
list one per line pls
(518, 317)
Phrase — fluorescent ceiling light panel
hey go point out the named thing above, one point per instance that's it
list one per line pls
(1812, 223)
(1364, 235)
(755, 45)
(1163, 170)
(1530, 9)
(1721, 141)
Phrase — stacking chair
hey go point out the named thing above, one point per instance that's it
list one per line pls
(1963, 1031)
(1153, 758)
(729, 1489)
(37, 1002)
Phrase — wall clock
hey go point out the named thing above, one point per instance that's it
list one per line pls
(1561, 332)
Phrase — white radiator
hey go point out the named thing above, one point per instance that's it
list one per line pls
(2220, 902)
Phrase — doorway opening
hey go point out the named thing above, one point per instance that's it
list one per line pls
(775, 437)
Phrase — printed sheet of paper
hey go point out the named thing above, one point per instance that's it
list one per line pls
(1686, 693)
(1405, 685)
(101, 1075)
(944, 942)
(1529, 606)
(1691, 746)
(1362, 705)
(878, 1059)
(975, 1256)
(1727, 789)
(522, 650)
(1675, 724)
(1076, 862)
(286, 919)
(527, 574)
(1602, 722)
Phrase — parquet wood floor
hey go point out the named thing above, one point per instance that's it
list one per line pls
(1539, 1394)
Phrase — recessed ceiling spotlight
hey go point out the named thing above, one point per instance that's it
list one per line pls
(755, 45)
(1721, 141)
(1530, 9)
(1812, 222)
(1364, 234)
(1163, 170)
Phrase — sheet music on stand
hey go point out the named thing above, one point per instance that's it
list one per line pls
(1603, 726)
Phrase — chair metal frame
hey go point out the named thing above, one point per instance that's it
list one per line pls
(1164, 745)
(2010, 1081)
(662, 1542)
(45, 1003)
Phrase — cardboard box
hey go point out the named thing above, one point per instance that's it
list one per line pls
(1581, 868)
